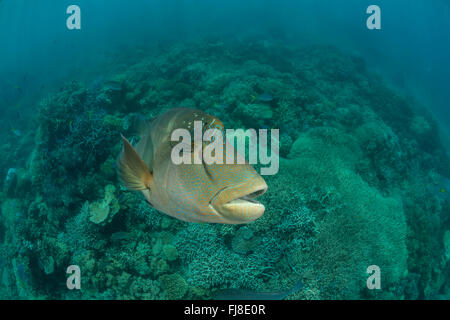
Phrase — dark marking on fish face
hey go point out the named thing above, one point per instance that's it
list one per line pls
(149, 203)
(205, 166)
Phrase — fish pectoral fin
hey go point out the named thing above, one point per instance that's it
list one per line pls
(132, 170)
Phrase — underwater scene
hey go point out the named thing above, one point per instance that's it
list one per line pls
(115, 125)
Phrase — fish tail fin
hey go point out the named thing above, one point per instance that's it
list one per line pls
(132, 170)
(297, 286)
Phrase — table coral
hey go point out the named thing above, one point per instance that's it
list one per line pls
(104, 210)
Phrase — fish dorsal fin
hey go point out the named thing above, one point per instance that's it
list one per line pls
(132, 170)
(139, 124)
(142, 127)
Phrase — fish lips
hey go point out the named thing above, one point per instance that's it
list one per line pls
(237, 204)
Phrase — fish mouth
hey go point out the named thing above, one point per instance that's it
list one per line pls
(249, 197)
(238, 204)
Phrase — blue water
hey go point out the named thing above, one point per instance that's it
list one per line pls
(412, 48)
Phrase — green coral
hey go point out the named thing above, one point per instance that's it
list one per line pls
(174, 285)
(253, 112)
(103, 211)
(244, 241)
(170, 252)
(356, 227)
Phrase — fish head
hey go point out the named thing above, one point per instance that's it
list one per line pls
(217, 192)
(237, 186)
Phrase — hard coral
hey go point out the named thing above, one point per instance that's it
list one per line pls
(104, 210)
(174, 286)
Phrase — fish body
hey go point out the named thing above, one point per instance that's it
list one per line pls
(441, 188)
(16, 132)
(121, 235)
(265, 97)
(212, 193)
(239, 294)
(112, 85)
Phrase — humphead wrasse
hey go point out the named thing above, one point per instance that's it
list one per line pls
(213, 193)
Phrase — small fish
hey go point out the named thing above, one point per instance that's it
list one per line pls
(22, 275)
(121, 235)
(112, 85)
(441, 188)
(220, 105)
(16, 132)
(265, 97)
(216, 193)
(12, 172)
(122, 198)
(239, 294)
(18, 89)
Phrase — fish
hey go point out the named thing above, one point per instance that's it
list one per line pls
(19, 89)
(12, 172)
(240, 294)
(210, 193)
(265, 97)
(112, 85)
(120, 235)
(16, 132)
(442, 188)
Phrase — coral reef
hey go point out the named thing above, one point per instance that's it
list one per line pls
(103, 211)
(353, 189)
